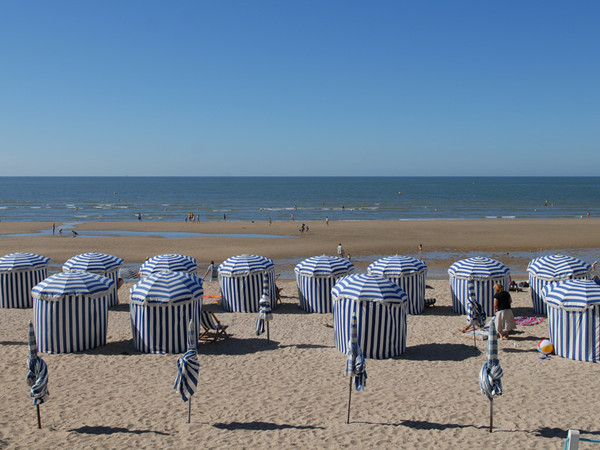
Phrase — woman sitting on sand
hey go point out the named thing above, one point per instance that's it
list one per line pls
(505, 320)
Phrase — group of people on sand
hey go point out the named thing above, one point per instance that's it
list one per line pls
(505, 319)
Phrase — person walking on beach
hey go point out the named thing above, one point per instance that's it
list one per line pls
(212, 270)
(340, 250)
(53, 228)
(420, 250)
(327, 220)
(505, 319)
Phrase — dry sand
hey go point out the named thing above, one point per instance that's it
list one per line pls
(291, 392)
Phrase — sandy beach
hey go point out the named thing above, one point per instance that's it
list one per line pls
(291, 392)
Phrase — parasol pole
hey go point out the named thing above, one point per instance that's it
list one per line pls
(268, 340)
(491, 414)
(189, 409)
(349, 398)
(39, 417)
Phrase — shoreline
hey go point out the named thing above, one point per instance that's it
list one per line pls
(513, 241)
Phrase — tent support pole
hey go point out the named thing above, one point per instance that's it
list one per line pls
(349, 399)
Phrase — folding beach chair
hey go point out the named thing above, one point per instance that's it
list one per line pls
(211, 324)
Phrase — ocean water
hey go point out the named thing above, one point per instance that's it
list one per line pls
(84, 199)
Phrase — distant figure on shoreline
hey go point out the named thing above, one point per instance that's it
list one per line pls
(270, 221)
(327, 220)
(340, 250)
(75, 233)
(588, 214)
(420, 250)
(140, 217)
(53, 228)
(224, 217)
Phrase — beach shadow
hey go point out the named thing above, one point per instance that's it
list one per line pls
(441, 352)
(262, 426)
(12, 343)
(232, 346)
(113, 430)
(517, 350)
(424, 425)
(307, 346)
(123, 307)
(124, 347)
(560, 433)
(444, 311)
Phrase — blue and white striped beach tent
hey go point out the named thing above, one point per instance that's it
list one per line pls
(315, 277)
(101, 264)
(173, 262)
(19, 273)
(553, 269)
(162, 305)
(70, 311)
(407, 272)
(475, 277)
(574, 318)
(241, 281)
(380, 308)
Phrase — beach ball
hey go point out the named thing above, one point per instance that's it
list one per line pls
(545, 347)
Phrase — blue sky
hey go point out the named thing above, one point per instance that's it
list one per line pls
(118, 87)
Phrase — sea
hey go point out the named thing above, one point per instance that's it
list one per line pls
(86, 199)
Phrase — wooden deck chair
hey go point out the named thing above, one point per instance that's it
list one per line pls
(211, 324)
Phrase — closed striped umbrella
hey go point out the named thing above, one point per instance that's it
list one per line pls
(409, 273)
(173, 262)
(264, 312)
(101, 264)
(315, 277)
(491, 372)
(188, 368)
(356, 365)
(241, 280)
(551, 269)
(474, 279)
(380, 308)
(37, 374)
(19, 273)
(574, 318)
(162, 304)
(70, 311)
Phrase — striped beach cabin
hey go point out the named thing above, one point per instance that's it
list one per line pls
(172, 261)
(70, 312)
(574, 318)
(475, 278)
(19, 273)
(101, 264)
(407, 272)
(241, 282)
(551, 269)
(380, 308)
(162, 305)
(315, 278)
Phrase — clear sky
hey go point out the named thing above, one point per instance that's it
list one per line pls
(284, 87)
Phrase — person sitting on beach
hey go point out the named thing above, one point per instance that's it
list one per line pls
(505, 319)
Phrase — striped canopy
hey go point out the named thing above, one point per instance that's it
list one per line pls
(243, 265)
(478, 267)
(572, 294)
(92, 262)
(63, 284)
(324, 266)
(22, 261)
(163, 288)
(397, 266)
(362, 287)
(557, 267)
(172, 262)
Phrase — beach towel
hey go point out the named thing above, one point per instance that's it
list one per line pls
(525, 321)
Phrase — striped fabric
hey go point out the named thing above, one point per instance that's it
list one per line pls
(19, 273)
(37, 373)
(482, 273)
(241, 281)
(162, 304)
(315, 278)
(101, 264)
(264, 309)
(551, 269)
(380, 308)
(574, 318)
(188, 367)
(172, 262)
(490, 375)
(407, 272)
(355, 362)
